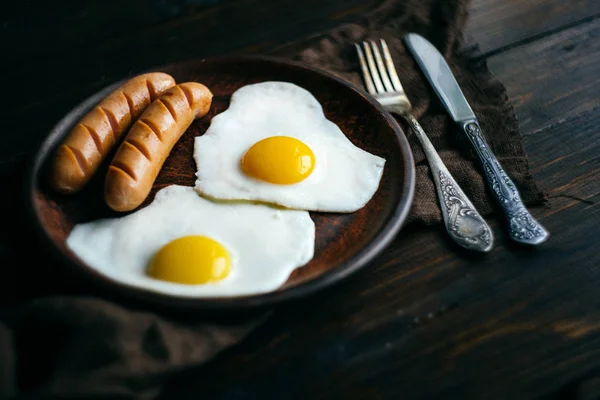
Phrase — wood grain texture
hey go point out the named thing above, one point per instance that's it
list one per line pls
(557, 78)
(498, 25)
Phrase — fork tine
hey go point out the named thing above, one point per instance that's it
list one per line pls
(390, 67)
(381, 67)
(365, 70)
(373, 68)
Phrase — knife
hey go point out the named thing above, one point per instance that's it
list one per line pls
(523, 227)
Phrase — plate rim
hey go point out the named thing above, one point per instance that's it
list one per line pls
(359, 260)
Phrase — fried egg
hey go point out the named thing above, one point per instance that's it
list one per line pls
(187, 246)
(274, 144)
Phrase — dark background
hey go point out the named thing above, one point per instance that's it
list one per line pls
(57, 52)
(34, 28)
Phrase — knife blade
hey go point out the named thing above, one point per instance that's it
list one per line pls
(523, 227)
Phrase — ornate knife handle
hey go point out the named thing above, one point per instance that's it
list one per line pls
(463, 223)
(523, 227)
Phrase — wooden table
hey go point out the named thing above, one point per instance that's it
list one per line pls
(423, 321)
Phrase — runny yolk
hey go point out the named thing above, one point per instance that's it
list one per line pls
(282, 160)
(191, 260)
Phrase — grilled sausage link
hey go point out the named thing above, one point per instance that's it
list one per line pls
(87, 144)
(148, 143)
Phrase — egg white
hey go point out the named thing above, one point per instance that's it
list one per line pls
(344, 179)
(265, 243)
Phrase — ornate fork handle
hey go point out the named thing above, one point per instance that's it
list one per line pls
(522, 226)
(464, 224)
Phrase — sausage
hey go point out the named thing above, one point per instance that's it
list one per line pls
(148, 143)
(87, 144)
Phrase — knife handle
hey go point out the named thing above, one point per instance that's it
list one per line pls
(523, 227)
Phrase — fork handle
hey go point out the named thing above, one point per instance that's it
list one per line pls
(523, 227)
(463, 223)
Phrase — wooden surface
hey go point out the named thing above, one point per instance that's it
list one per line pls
(424, 321)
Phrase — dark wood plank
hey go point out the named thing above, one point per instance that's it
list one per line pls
(501, 24)
(553, 79)
(564, 159)
(35, 29)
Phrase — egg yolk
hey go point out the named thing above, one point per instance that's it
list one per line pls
(281, 160)
(191, 260)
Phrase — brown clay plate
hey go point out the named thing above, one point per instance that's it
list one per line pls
(344, 242)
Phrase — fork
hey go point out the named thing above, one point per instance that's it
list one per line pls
(463, 223)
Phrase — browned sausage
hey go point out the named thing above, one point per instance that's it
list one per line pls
(88, 143)
(148, 143)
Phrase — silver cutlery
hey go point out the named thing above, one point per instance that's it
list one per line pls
(523, 227)
(463, 223)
